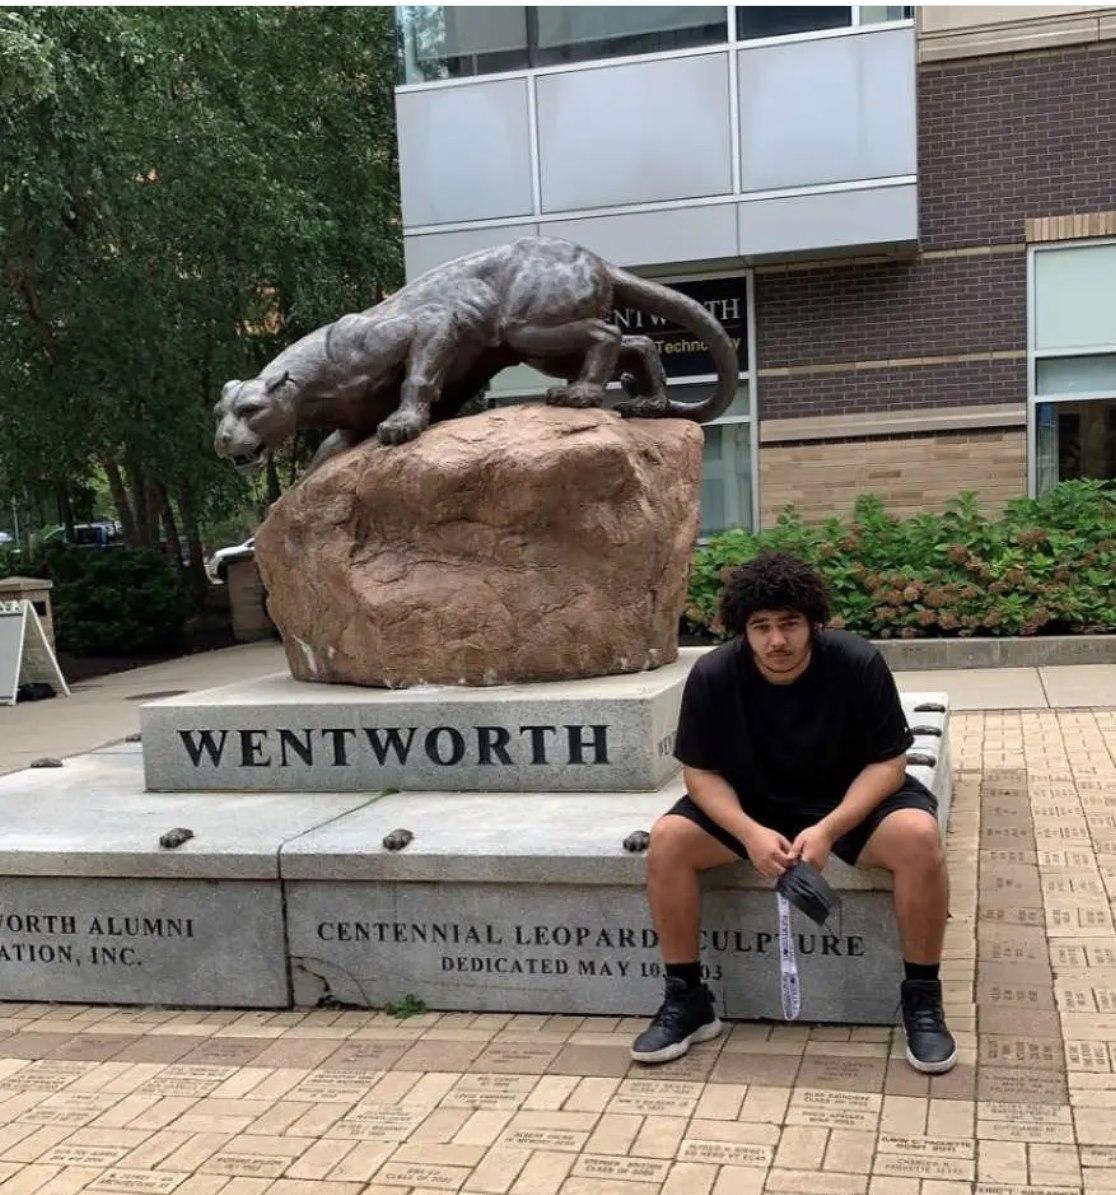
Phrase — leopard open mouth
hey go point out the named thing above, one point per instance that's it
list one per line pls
(249, 462)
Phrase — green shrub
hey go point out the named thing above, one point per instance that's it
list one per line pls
(1047, 566)
(122, 601)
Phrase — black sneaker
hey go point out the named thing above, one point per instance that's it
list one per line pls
(685, 1016)
(930, 1045)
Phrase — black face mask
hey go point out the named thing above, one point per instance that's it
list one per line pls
(804, 887)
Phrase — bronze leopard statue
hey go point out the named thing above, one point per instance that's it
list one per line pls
(426, 350)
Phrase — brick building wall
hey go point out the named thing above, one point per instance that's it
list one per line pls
(995, 377)
(911, 473)
(1002, 139)
(1011, 136)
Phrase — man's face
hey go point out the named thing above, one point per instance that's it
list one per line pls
(780, 643)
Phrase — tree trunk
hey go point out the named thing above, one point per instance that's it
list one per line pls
(119, 493)
(145, 536)
(170, 525)
(198, 581)
(66, 511)
(155, 512)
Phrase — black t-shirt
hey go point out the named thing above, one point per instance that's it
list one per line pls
(798, 745)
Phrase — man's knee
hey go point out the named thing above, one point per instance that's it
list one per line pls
(672, 840)
(914, 842)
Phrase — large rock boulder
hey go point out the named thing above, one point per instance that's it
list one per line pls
(527, 544)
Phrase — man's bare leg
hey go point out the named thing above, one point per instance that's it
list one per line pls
(908, 844)
(680, 851)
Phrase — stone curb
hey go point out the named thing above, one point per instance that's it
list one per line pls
(913, 655)
(924, 655)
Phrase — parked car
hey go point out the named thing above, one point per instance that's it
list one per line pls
(87, 535)
(217, 566)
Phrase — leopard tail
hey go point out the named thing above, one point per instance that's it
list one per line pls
(660, 300)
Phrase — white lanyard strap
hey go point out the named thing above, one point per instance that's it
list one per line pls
(788, 963)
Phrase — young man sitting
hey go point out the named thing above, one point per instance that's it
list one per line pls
(793, 744)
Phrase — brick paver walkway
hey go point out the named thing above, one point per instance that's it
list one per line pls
(146, 1102)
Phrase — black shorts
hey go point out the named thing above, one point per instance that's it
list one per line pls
(791, 822)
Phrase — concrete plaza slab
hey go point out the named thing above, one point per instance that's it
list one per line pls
(1089, 686)
(104, 708)
(981, 688)
(92, 817)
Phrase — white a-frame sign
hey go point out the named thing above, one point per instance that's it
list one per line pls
(25, 654)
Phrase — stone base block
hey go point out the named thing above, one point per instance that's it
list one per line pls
(94, 910)
(561, 948)
(143, 941)
(276, 734)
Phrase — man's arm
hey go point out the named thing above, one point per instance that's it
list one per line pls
(875, 782)
(769, 852)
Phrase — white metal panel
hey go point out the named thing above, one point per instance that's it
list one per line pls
(423, 253)
(829, 219)
(650, 238)
(464, 152)
(638, 133)
(829, 110)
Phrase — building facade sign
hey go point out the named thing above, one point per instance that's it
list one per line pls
(683, 354)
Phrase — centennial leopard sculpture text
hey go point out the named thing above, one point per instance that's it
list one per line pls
(430, 347)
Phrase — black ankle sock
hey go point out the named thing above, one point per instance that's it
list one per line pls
(690, 972)
(921, 970)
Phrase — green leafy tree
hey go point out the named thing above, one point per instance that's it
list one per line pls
(182, 192)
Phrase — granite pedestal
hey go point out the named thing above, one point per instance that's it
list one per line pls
(276, 734)
(502, 900)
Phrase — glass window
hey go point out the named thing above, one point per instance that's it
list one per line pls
(456, 41)
(774, 22)
(1074, 346)
(451, 42)
(1075, 297)
(1076, 439)
(726, 481)
(874, 14)
(1095, 374)
(577, 34)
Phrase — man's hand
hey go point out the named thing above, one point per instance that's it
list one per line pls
(813, 846)
(769, 852)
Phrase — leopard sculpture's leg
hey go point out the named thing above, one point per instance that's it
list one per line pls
(431, 354)
(594, 341)
(643, 378)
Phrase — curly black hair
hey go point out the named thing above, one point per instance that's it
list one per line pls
(773, 581)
